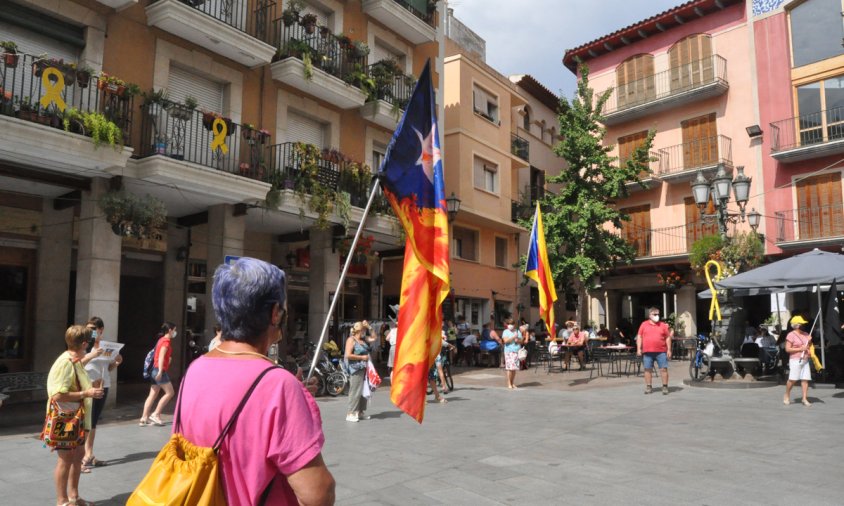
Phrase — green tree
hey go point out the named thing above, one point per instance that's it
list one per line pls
(580, 246)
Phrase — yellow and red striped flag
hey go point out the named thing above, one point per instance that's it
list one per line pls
(538, 269)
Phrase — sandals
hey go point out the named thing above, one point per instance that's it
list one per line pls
(143, 423)
(80, 502)
(441, 400)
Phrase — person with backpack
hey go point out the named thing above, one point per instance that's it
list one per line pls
(264, 422)
(158, 375)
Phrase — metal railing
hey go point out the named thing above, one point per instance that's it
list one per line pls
(810, 223)
(173, 130)
(520, 147)
(33, 88)
(694, 154)
(395, 89)
(808, 129)
(332, 54)
(673, 81)
(334, 171)
(249, 16)
(427, 16)
(657, 242)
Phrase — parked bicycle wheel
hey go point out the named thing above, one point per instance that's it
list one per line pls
(699, 367)
(449, 381)
(335, 383)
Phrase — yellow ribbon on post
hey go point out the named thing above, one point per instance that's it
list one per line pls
(221, 130)
(714, 308)
(52, 91)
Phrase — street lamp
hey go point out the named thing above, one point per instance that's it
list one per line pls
(452, 204)
(753, 218)
(719, 187)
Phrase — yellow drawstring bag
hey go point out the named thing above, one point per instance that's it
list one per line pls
(186, 474)
(815, 361)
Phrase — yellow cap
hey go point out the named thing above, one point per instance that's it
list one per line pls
(798, 319)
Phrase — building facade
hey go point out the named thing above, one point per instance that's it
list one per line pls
(258, 128)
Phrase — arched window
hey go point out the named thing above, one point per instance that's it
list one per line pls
(635, 80)
(691, 62)
(527, 118)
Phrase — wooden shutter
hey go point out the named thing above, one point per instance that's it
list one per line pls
(691, 62)
(819, 207)
(637, 231)
(627, 145)
(695, 227)
(635, 80)
(700, 142)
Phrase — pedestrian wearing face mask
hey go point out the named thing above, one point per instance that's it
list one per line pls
(513, 340)
(653, 344)
(160, 380)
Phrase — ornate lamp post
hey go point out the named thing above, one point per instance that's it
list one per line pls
(719, 188)
(452, 205)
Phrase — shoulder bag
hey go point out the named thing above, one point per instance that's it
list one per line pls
(63, 430)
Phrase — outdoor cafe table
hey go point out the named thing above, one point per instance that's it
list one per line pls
(614, 350)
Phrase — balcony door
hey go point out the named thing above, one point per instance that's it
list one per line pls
(635, 81)
(191, 139)
(628, 145)
(696, 228)
(700, 142)
(691, 62)
(637, 230)
(819, 207)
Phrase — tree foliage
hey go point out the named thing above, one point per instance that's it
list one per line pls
(580, 244)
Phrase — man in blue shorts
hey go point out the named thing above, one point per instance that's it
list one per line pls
(653, 343)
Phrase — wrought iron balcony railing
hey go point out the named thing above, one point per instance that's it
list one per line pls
(658, 242)
(520, 147)
(415, 8)
(389, 83)
(36, 88)
(806, 130)
(667, 84)
(810, 223)
(173, 130)
(694, 155)
(317, 46)
(249, 16)
(334, 171)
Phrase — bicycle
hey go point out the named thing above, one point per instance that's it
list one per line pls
(699, 365)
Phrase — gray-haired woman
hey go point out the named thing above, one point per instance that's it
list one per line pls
(276, 444)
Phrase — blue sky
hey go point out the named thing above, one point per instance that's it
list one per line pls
(531, 36)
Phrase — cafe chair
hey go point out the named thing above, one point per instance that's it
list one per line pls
(600, 357)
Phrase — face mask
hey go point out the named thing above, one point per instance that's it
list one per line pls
(511, 327)
(655, 317)
(93, 334)
(175, 334)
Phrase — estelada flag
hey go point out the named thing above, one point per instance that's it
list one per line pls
(538, 269)
(412, 180)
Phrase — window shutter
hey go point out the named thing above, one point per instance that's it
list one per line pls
(301, 128)
(819, 212)
(36, 44)
(480, 100)
(637, 230)
(184, 83)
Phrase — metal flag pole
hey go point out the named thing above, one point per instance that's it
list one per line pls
(318, 351)
(820, 314)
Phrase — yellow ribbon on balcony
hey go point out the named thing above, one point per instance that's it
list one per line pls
(52, 91)
(221, 130)
(714, 308)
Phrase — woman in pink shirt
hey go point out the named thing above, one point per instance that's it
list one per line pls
(797, 345)
(273, 453)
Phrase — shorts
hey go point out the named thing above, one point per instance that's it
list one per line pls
(799, 370)
(511, 360)
(164, 377)
(649, 357)
(97, 408)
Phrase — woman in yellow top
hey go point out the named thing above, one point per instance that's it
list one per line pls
(68, 384)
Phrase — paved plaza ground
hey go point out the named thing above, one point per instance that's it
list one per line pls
(559, 439)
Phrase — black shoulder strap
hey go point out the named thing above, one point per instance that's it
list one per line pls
(240, 406)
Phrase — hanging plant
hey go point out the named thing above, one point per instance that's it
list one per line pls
(133, 216)
(314, 194)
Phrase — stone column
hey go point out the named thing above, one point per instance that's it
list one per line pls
(98, 269)
(687, 310)
(53, 282)
(324, 274)
(175, 293)
(226, 234)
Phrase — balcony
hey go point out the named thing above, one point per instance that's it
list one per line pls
(390, 91)
(236, 29)
(680, 163)
(659, 242)
(188, 148)
(409, 18)
(118, 4)
(677, 86)
(319, 63)
(649, 178)
(809, 226)
(808, 136)
(520, 147)
(335, 171)
(44, 106)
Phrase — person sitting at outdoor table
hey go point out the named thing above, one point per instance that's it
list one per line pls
(489, 334)
(764, 339)
(603, 333)
(471, 349)
(576, 344)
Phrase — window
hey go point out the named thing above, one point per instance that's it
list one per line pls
(627, 145)
(301, 128)
(466, 243)
(486, 175)
(816, 31)
(700, 142)
(635, 80)
(695, 226)
(500, 252)
(819, 207)
(637, 229)
(821, 110)
(527, 118)
(378, 153)
(381, 51)
(485, 104)
(691, 62)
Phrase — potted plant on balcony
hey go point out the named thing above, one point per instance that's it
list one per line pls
(209, 117)
(10, 53)
(111, 84)
(290, 14)
(72, 121)
(83, 75)
(133, 216)
(102, 130)
(308, 22)
(182, 112)
(361, 49)
(670, 280)
(26, 109)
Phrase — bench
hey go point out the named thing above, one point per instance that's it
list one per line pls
(23, 386)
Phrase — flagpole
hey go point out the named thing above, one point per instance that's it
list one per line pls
(820, 314)
(372, 193)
